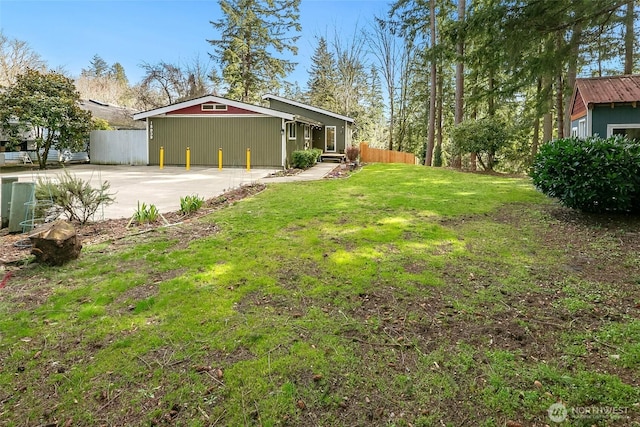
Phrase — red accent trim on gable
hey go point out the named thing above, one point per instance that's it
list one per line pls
(197, 109)
(578, 108)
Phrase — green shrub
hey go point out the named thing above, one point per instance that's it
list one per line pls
(485, 137)
(190, 204)
(592, 175)
(76, 197)
(304, 159)
(437, 156)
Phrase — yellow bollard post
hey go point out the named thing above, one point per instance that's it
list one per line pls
(188, 158)
(220, 159)
(248, 159)
(161, 157)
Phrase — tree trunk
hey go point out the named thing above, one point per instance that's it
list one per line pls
(629, 38)
(428, 158)
(440, 101)
(491, 101)
(560, 104)
(600, 31)
(535, 142)
(46, 146)
(572, 71)
(547, 119)
(458, 117)
(536, 124)
(473, 157)
(391, 123)
(547, 127)
(55, 243)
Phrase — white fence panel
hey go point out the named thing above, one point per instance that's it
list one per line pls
(119, 147)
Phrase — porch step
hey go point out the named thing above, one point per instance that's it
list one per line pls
(339, 157)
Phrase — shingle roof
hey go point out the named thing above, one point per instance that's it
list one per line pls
(118, 117)
(604, 90)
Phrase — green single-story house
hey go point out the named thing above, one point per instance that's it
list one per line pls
(210, 124)
(606, 106)
(330, 132)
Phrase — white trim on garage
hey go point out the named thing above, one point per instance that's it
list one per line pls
(208, 99)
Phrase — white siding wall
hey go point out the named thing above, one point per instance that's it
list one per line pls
(119, 147)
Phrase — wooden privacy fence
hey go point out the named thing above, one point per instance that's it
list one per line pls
(376, 155)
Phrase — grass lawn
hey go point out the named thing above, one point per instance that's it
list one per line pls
(401, 296)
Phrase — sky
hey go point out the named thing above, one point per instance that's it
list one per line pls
(68, 33)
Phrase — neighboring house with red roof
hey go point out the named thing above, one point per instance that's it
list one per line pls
(606, 106)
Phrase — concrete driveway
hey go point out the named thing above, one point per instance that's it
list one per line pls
(163, 188)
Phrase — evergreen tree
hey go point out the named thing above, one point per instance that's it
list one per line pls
(98, 67)
(293, 92)
(252, 32)
(322, 78)
(116, 72)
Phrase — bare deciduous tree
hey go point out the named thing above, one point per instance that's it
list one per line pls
(383, 45)
(165, 83)
(16, 57)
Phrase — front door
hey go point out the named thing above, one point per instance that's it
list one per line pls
(330, 139)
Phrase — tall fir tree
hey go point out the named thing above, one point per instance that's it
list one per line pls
(322, 78)
(116, 72)
(251, 34)
(98, 67)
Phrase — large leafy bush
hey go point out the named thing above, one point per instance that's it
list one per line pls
(303, 159)
(592, 175)
(485, 137)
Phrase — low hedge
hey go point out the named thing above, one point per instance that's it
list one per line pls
(592, 174)
(304, 159)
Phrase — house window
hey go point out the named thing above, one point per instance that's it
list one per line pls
(291, 130)
(582, 128)
(630, 130)
(307, 132)
(213, 107)
(574, 132)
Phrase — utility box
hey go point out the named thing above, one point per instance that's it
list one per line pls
(21, 194)
(5, 199)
